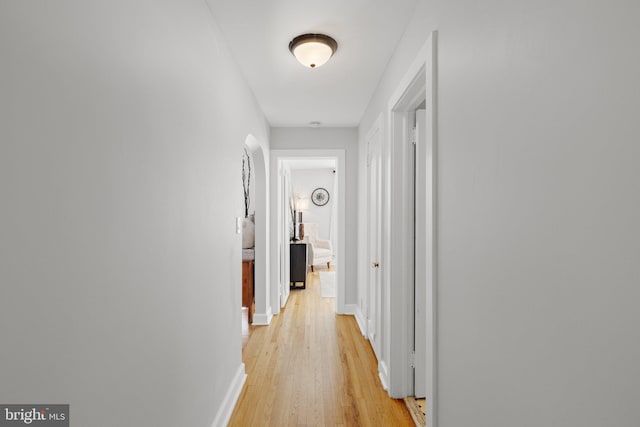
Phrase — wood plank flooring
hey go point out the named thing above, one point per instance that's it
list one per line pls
(246, 327)
(311, 367)
(417, 409)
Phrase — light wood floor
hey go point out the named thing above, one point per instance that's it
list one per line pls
(311, 367)
(246, 327)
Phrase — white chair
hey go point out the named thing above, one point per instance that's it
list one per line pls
(320, 251)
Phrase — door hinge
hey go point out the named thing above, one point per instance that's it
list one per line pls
(412, 359)
(414, 135)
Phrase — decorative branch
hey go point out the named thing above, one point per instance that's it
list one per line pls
(246, 180)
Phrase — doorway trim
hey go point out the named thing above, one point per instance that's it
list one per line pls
(276, 156)
(418, 84)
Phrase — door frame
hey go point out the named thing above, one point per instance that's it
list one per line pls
(423, 224)
(418, 84)
(277, 256)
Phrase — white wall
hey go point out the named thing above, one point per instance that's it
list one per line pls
(537, 209)
(121, 132)
(304, 181)
(332, 138)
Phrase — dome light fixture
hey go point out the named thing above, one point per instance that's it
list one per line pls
(313, 50)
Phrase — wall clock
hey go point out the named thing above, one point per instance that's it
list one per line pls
(320, 197)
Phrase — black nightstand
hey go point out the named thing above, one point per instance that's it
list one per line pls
(298, 265)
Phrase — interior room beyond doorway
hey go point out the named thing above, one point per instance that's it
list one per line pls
(310, 188)
(311, 192)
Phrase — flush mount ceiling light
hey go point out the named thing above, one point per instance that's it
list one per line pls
(313, 50)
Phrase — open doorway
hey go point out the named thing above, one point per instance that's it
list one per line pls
(252, 225)
(248, 243)
(309, 213)
(409, 233)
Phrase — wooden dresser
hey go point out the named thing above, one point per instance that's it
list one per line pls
(247, 284)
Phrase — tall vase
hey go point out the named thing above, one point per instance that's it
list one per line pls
(248, 233)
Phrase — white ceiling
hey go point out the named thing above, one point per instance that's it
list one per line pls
(336, 94)
(310, 163)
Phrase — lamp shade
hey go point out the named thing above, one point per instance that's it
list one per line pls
(301, 202)
(313, 50)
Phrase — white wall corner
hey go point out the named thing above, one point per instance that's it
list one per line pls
(383, 373)
(361, 320)
(262, 319)
(349, 309)
(233, 393)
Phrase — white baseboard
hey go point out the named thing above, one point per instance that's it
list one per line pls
(284, 302)
(362, 321)
(262, 319)
(383, 373)
(349, 309)
(226, 409)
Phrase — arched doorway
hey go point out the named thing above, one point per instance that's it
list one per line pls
(263, 312)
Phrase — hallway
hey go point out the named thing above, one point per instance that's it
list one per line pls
(313, 367)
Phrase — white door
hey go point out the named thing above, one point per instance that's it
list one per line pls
(374, 231)
(283, 235)
(420, 262)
